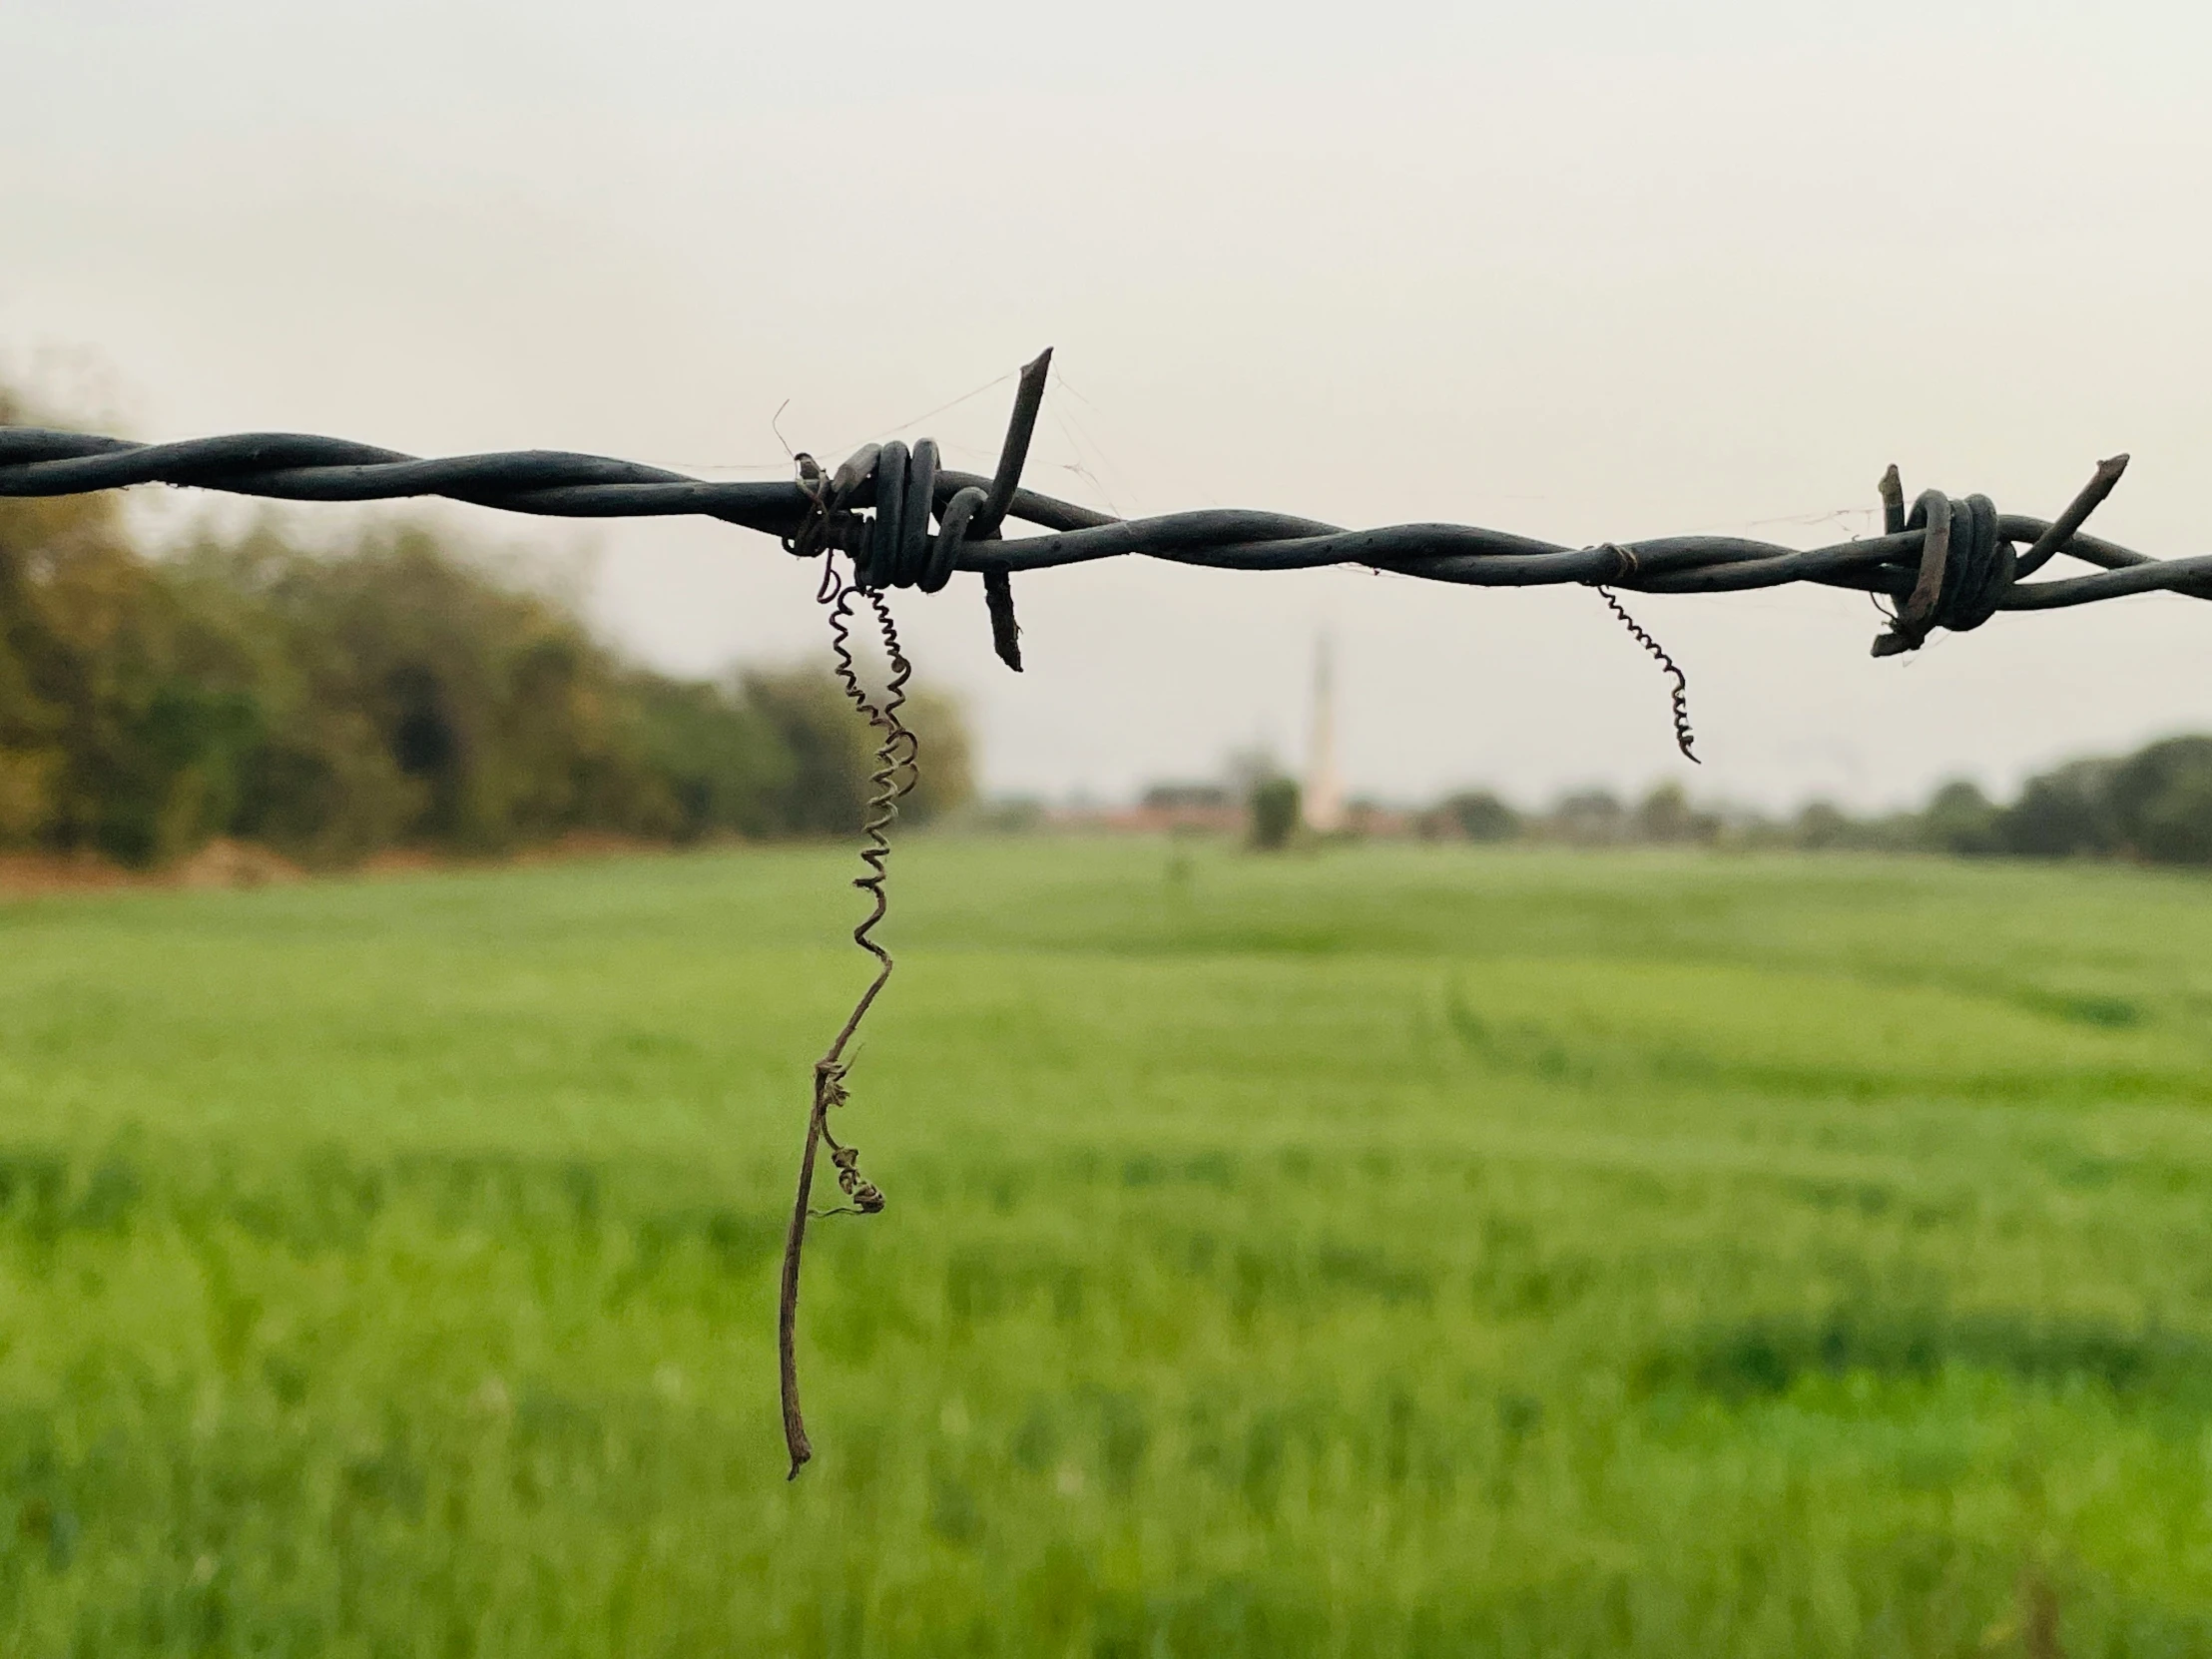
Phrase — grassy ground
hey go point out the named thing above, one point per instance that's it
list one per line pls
(1393, 1252)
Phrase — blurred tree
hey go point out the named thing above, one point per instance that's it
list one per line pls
(125, 718)
(2161, 799)
(1663, 814)
(1274, 813)
(1666, 815)
(2062, 813)
(947, 757)
(1478, 816)
(1960, 818)
(829, 750)
(1589, 818)
(409, 695)
(721, 764)
(1823, 826)
(399, 689)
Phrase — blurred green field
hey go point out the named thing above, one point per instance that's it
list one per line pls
(1391, 1251)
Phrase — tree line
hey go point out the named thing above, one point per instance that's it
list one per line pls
(2153, 806)
(401, 691)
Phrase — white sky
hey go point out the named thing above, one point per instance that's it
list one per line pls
(1588, 271)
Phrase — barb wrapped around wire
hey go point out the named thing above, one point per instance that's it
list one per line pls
(1947, 563)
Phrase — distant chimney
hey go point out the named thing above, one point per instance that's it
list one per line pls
(1323, 799)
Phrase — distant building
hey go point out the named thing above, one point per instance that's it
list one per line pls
(1376, 822)
(1164, 808)
(1177, 797)
(1321, 802)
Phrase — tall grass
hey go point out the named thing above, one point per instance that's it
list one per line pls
(1400, 1252)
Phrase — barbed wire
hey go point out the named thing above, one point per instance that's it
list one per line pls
(1941, 563)
(1947, 563)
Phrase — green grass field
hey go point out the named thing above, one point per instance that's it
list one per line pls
(1399, 1251)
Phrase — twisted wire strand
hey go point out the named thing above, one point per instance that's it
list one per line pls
(897, 770)
(1683, 736)
(296, 468)
(1945, 564)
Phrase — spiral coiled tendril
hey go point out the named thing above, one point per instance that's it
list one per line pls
(897, 770)
(1683, 736)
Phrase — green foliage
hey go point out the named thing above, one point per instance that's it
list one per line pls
(124, 717)
(1274, 813)
(1478, 816)
(723, 760)
(1959, 818)
(1665, 817)
(2162, 798)
(2061, 815)
(1589, 818)
(1400, 1251)
(399, 691)
(2154, 806)
(1823, 826)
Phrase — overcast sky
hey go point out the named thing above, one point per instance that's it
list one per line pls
(1590, 271)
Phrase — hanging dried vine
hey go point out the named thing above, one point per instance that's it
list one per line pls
(1683, 736)
(897, 770)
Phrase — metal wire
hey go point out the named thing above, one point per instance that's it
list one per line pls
(1949, 563)
(1946, 563)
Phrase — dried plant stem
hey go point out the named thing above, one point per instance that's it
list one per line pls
(896, 772)
(1683, 736)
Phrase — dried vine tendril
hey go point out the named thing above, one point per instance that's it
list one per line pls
(1683, 736)
(897, 770)
(892, 548)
